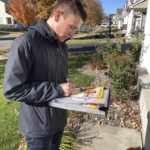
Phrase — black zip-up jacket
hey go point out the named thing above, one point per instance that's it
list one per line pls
(36, 65)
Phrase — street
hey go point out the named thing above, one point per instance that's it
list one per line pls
(6, 41)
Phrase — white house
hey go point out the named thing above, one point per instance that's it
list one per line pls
(118, 18)
(125, 16)
(5, 18)
(134, 15)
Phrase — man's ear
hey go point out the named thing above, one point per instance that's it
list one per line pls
(57, 15)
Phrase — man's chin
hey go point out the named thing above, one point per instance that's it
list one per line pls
(64, 39)
(61, 39)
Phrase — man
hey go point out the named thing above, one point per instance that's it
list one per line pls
(36, 73)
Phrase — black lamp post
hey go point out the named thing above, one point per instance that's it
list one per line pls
(110, 23)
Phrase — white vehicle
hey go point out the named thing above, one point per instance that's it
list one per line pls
(104, 25)
(114, 25)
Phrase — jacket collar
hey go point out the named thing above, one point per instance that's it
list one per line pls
(45, 31)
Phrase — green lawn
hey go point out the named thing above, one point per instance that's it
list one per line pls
(76, 61)
(9, 136)
(86, 41)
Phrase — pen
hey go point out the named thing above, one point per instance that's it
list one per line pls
(68, 80)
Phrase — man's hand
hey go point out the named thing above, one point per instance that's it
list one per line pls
(68, 88)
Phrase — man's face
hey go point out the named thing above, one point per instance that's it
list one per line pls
(66, 26)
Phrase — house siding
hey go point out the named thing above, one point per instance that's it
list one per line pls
(4, 15)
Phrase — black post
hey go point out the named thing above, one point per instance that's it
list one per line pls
(110, 22)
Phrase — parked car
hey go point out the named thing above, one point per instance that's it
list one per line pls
(114, 25)
(104, 25)
(31, 27)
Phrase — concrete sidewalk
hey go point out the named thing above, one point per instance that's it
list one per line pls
(4, 48)
(97, 137)
(10, 35)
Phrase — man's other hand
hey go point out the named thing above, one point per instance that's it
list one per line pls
(68, 88)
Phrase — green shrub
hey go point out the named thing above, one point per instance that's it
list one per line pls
(122, 69)
(122, 65)
(98, 59)
(136, 47)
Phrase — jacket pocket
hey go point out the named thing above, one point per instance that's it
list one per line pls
(41, 116)
(35, 120)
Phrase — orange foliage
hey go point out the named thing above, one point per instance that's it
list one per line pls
(95, 11)
(29, 11)
(22, 11)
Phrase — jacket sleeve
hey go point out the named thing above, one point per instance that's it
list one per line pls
(16, 78)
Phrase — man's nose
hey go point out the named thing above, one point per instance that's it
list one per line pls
(71, 33)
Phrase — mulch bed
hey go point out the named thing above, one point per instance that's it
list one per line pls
(121, 113)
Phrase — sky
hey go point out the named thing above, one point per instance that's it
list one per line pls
(110, 6)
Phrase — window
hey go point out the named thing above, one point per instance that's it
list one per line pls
(9, 20)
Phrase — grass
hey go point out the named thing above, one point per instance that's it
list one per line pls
(9, 135)
(76, 61)
(86, 41)
(93, 41)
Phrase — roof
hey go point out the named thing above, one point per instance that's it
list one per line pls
(5, 1)
(119, 11)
